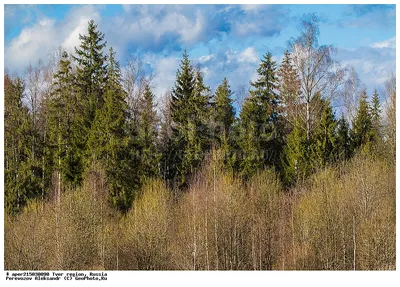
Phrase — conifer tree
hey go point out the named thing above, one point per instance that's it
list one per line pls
(375, 111)
(22, 174)
(180, 112)
(224, 117)
(147, 135)
(362, 124)
(189, 112)
(252, 155)
(182, 92)
(343, 139)
(224, 112)
(91, 72)
(324, 137)
(296, 155)
(65, 125)
(289, 90)
(108, 140)
(196, 133)
(261, 140)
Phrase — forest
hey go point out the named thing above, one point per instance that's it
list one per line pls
(295, 173)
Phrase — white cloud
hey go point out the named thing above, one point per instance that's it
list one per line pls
(31, 44)
(390, 43)
(250, 7)
(248, 55)
(37, 41)
(206, 58)
(165, 71)
(373, 65)
(72, 40)
(193, 31)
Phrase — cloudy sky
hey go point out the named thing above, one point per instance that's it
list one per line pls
(225, 40)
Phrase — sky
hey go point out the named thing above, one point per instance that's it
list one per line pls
(224, 40)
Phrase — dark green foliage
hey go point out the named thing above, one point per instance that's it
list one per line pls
(147, 135)
(224, 112)
(65, 137)
(296, 155)
(196, 133)
(289, 90)
(223, 118)
(343, 140)
(182, 92)
(250, 137)
(324, 138)
(180, 112)
(91, 72)
(375, 111)
(189, 112)
(22, 173)
(260, 134)
(108, 140)
(361, 132)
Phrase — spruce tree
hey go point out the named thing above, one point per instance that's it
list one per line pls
(182, 92)
(64, 124)
(361, 132)
(261, 139)
(224, 117)
(196, 131)
(343, 139)
(224, 112)
(375, 111)
(147, 135)
(252, 155)
(91, 72)
(189, 112)
(324, 137)
(22, 173)
(296, 156)
(108, 140)
(289, 90)
(180, 114)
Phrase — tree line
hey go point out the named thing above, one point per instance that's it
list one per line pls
(101, 175)
(92, 116)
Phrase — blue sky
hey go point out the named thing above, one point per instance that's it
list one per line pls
(225, 40)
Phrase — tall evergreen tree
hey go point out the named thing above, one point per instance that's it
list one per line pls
(22, 173)
(375, 111)
(182, 92)
(147, 136)
(65, 125)
(296, 155)
(261, 140)
(361, 132)
(224, 112)
(223, 118)
(91, 72)
(108, 140)
(180, 114)
(289, 91)
(249, 141)
(189, 112)
(201, 111)
(343, 140)
(324, 137)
